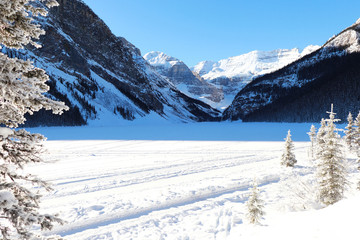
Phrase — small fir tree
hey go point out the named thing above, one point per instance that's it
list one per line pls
(350, 133)
(331, 171)
(22, 92)
(254, 206)
(312, 136)
(288, 157)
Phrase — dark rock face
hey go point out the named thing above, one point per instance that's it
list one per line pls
(181, 74)
(304, 90)
(97, 73)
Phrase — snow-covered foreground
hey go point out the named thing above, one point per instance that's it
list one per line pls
(137, 189)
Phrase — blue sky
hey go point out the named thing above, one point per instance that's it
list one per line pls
(197, 30)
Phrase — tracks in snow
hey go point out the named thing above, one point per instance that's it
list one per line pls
(124, 183)
(187, 201)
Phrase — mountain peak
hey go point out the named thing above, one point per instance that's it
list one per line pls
(348, 39)
(160, 59)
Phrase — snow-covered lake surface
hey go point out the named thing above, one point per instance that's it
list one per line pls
(183, 182)
(235, 131)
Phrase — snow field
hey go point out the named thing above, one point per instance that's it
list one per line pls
(171, 189)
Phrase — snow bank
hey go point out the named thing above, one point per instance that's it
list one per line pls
(338, 221)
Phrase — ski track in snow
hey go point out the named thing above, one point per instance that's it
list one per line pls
(160, 189)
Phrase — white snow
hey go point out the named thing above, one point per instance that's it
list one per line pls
(156, 58)
(204, 67)
(349, 39)
(5, 132)
(186, 181)
(7, 199)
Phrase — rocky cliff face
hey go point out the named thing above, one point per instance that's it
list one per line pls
(183, 78)
(304, 90)
(102, 76)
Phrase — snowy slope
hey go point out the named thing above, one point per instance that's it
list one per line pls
(116, 189)
(335, 222)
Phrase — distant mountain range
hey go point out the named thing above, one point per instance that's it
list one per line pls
(217, 83)
(251, 64)
(304, 90)
(102, 77)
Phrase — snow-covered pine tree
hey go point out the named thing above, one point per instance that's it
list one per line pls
(331, 170)
(350, 133)
(321, 132)
(288, 157)
(312, 136)
(356, 141)
(320, 138)
(254, 206)
(22, 86)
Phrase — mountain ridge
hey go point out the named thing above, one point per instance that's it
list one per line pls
(262, 62)
(300, 92)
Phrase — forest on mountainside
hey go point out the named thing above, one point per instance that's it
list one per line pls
(337, 81)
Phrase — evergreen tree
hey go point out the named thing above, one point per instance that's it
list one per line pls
(331, 171)
(356, 141)
(350, 133)
(320, 138)
(312, 136)
(321, 133)
(22, 87)
(254, 206)
(288, 157)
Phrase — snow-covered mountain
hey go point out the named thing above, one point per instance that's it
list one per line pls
(183, 78)
(234, 73)
(217, 83)
(251, 64)
(303, 90)
(101, 76)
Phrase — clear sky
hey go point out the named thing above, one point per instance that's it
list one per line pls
(197, 30)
